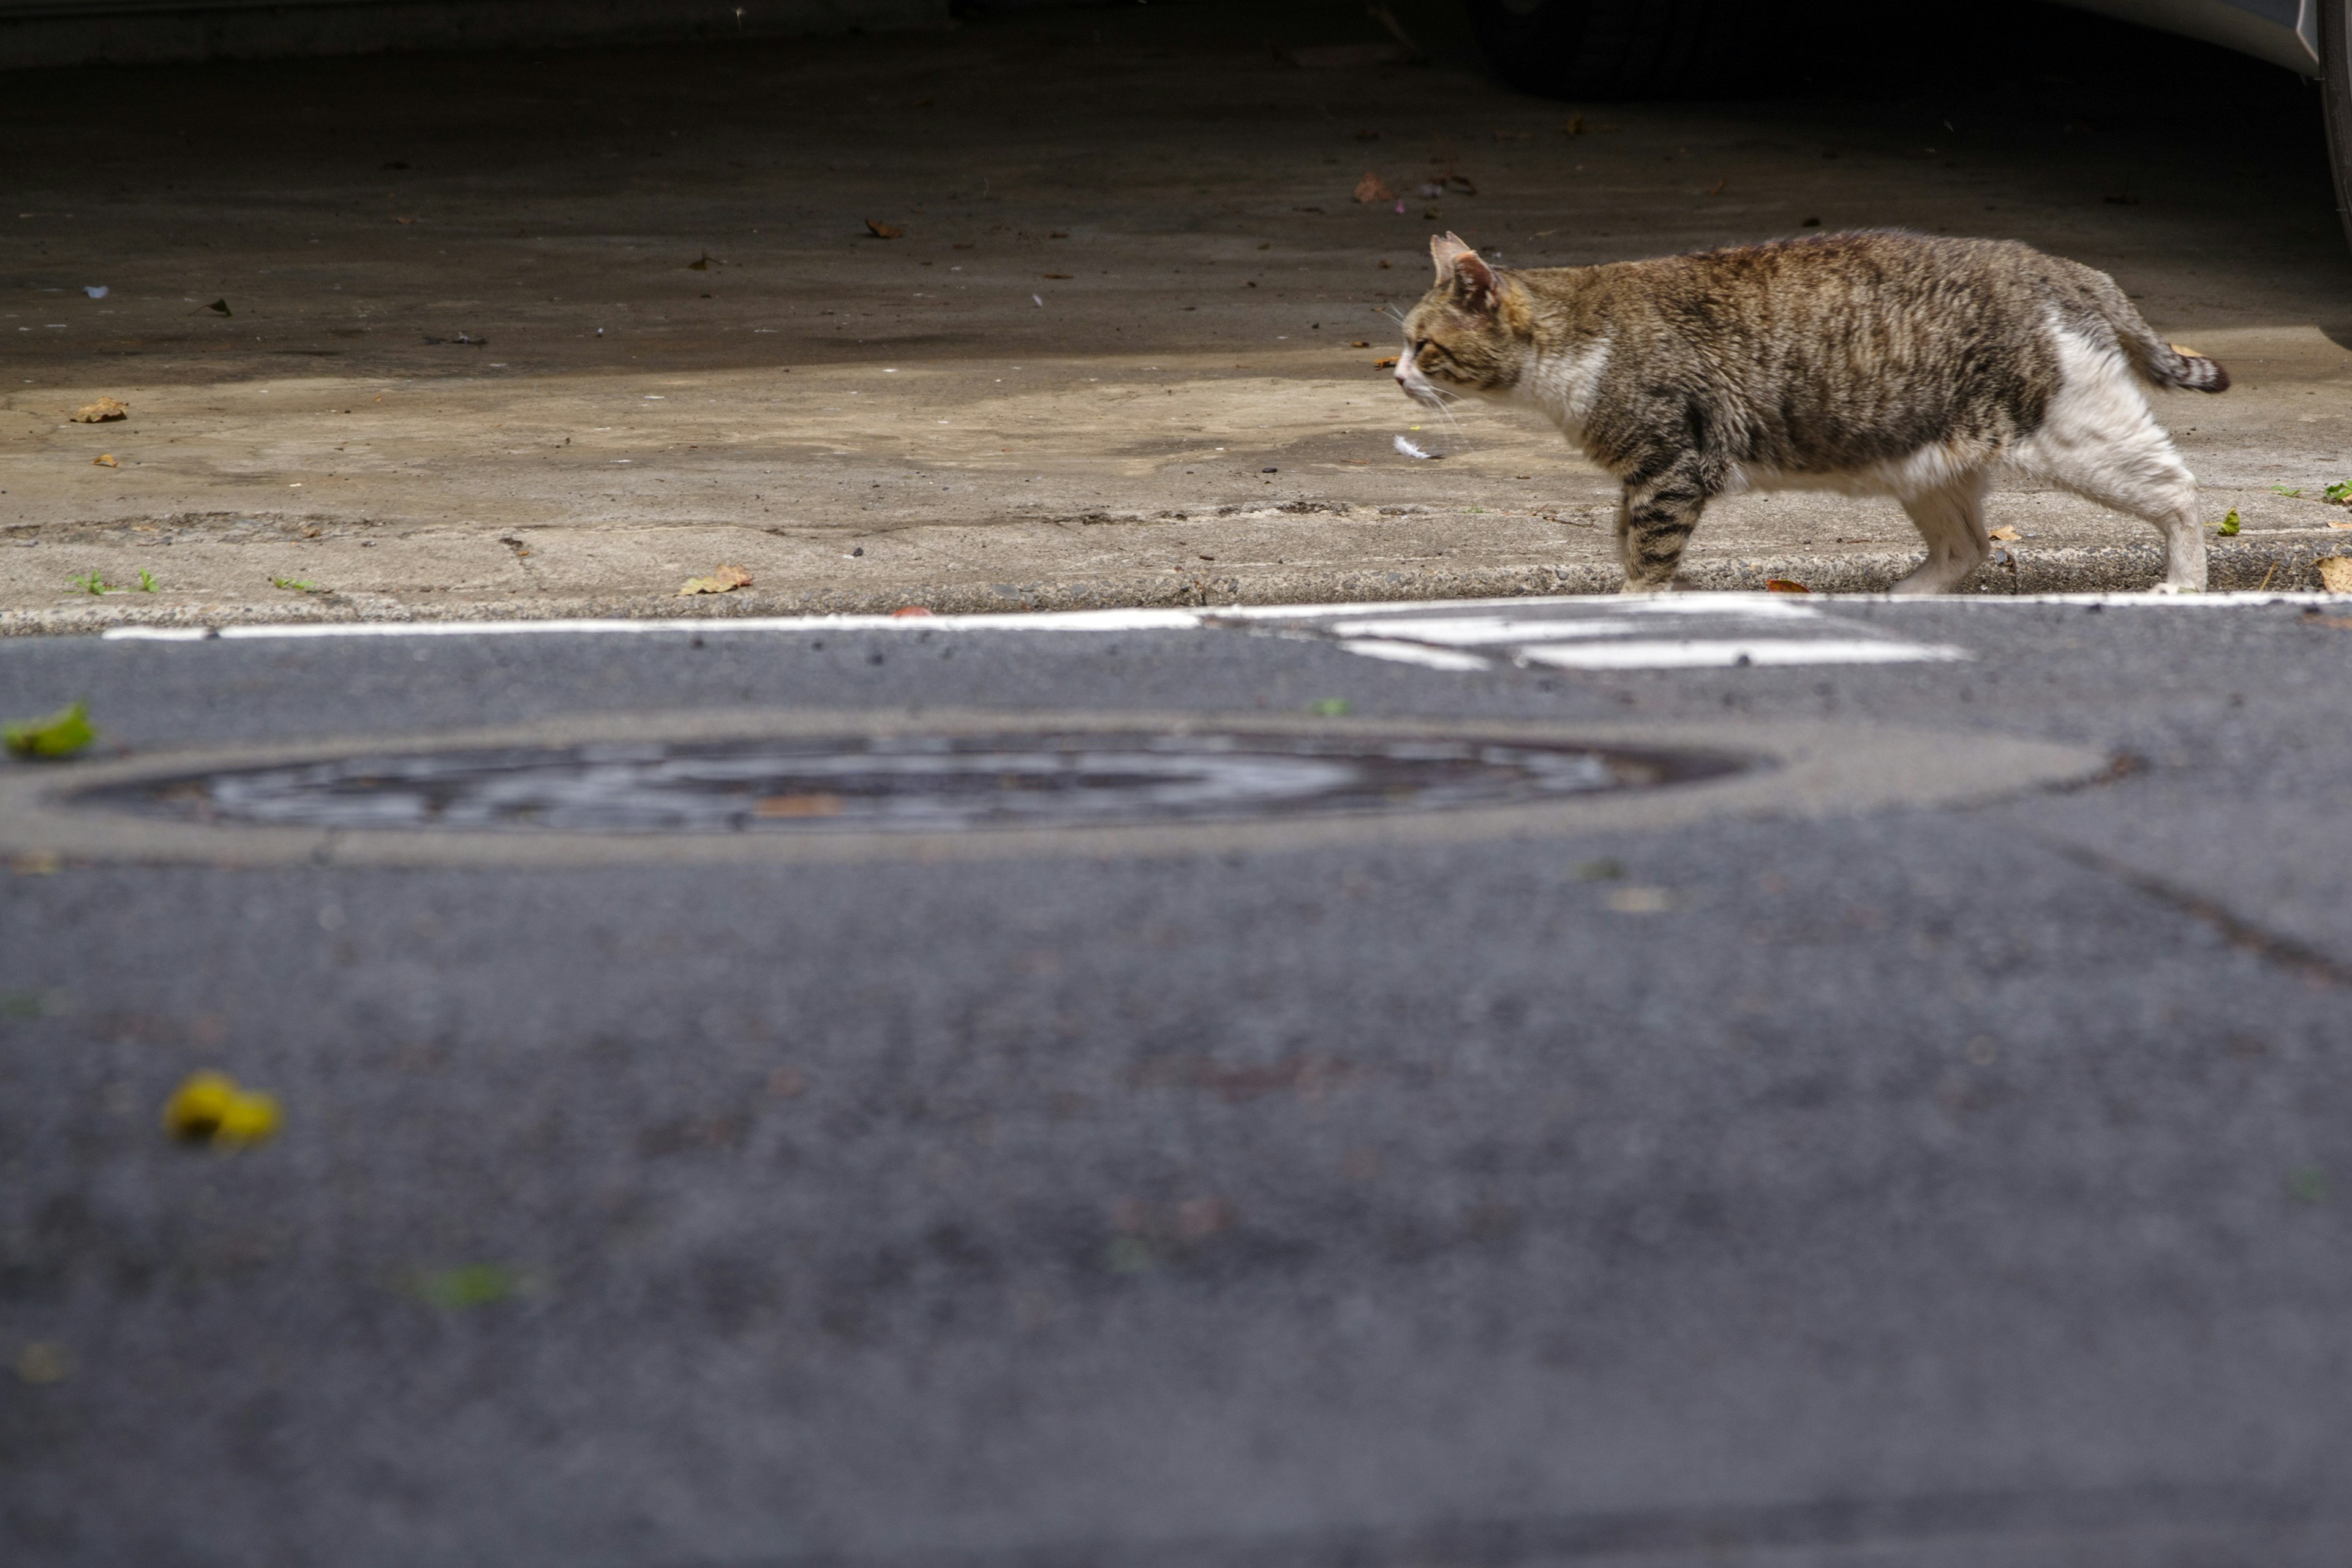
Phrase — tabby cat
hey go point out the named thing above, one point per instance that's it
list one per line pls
(1872, 364)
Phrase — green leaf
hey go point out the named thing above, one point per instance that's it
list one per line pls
(1331, 707)
(294, 584)
(2341, 492)
(2284, 491)
(60, 734)
(2229, 524)
(146, 581)
(467, 1285)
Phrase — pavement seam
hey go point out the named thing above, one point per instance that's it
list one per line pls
(2313, 965)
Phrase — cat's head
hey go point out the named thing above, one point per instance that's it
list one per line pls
(1468, 334)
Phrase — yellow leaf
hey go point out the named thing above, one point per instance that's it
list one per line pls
(725, 580)
(209, 1108)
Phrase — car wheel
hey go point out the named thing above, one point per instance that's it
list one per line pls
(1610, 49)
(2336, 87)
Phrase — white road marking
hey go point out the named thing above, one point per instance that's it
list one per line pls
(1415, 653)
(1700, 653)
(1775, 606)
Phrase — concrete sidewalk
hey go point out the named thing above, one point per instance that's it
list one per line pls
(502, 335)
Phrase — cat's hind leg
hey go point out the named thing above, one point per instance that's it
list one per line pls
(1654, 519)
(1951, 519)
(2100, 441)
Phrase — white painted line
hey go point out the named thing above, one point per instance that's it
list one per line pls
(1785, 607)
(1470, 631)
(1695, 653)
(1057, 621)
(1414, 653)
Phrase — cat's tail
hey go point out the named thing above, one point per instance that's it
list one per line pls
(2166, 365)
(2169, 365)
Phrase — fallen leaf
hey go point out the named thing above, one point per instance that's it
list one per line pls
(1372, 188)
(2335, 574)
(1784, 585)
(2229, 525)
(704, 264)
(1720, 186)
(1361, 343)
(220, 307)
(1464, 184)
(725, 580)
(104, 460)
(399, 220)
(2005, 532)
(1331, 707)
(2185, 349)
(211, 1108)
(2340, 525)
(60, 734)
(44, 1361)
(1062, 276)
(1388, 363)
(1573, 126)
(798, 805)
(102, 411)
(905, 610)
(884, 230)
(467, 1285)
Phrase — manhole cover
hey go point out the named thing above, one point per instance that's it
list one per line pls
(902, 783)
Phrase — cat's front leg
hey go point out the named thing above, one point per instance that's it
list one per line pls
(1654, 519)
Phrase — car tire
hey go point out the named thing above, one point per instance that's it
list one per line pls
(1610, 49)
(2335, 90)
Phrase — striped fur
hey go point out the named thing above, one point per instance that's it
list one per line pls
(1873, 363)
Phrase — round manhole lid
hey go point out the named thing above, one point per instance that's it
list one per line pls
(903, 781)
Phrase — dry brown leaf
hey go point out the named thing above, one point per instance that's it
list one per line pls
(725, 580)
(104, 460)
(2336, 573)
(1372, 188)
(884, 230)
(1059, 275)
(1388, 363)
(2340, 525)
(815, 804)
(100, 412)
(2185, 349)
(2005, 532)
(1367, 343)
(1785, 585)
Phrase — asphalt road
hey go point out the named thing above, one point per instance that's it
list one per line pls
(1919, 1185)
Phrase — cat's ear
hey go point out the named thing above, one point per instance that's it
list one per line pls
(1462, 269)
